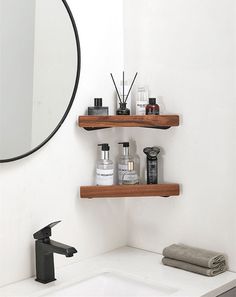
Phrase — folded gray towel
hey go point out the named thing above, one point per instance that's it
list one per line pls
(195, 268)
(193, 255)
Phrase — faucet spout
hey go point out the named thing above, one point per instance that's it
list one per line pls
(59, 248)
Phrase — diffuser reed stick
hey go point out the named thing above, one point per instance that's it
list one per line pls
(123, 99)
(131, 87)
(116, 88)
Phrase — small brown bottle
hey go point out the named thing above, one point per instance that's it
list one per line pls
(152, 108)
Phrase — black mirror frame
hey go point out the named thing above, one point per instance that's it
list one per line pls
(73, 94)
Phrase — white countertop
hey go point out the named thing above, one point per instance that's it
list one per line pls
(128, 261)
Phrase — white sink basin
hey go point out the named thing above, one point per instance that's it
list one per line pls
(111, 284)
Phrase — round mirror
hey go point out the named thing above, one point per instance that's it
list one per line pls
(39, 73)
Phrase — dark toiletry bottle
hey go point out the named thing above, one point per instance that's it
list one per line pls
(152, 164)
(98, 109)
(152, 108)
(123, 110)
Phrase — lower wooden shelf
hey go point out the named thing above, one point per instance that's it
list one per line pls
(116, 191)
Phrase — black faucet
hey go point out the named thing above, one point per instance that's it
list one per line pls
(45, 248)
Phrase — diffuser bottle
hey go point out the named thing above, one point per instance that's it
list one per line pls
(130, 177)
(123, 106)
(123, 110)
(123, 95)
(123, 91)
(104, 168)
(123, 161)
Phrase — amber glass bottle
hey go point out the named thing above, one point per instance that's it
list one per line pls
(152, 108)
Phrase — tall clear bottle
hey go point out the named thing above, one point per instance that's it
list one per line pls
(123, 161)
(142, 101)
(105, 167)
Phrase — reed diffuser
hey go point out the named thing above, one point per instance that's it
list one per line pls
(123, 110)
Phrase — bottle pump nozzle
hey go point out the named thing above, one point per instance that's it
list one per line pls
(125, 144)
(105, 146)
(105, 151)
(125, 148)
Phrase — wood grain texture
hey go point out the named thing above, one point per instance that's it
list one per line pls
(152, 121)
(116, 191)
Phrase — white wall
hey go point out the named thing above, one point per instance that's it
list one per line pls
(45, 186)
(185, 51)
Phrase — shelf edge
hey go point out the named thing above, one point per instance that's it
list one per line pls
(101, 122)
(136, 191)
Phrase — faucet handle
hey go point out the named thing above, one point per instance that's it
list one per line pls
(45, 232)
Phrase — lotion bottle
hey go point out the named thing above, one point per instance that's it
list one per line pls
(104, 168)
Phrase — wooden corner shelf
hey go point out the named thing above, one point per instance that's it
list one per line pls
(148, 121)
(116, 191)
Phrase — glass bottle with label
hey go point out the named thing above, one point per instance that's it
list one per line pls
(152, 108)
(104, 168)
(142, 101)
(124, 158)
(130, 177)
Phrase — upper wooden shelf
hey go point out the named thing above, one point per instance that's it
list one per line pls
(116, 191)
(147, 121)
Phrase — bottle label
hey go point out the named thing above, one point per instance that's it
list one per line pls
(141, 108)
(104, 177)
(130, 179)
(152, 111)
(98, 111)
(122, 169)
